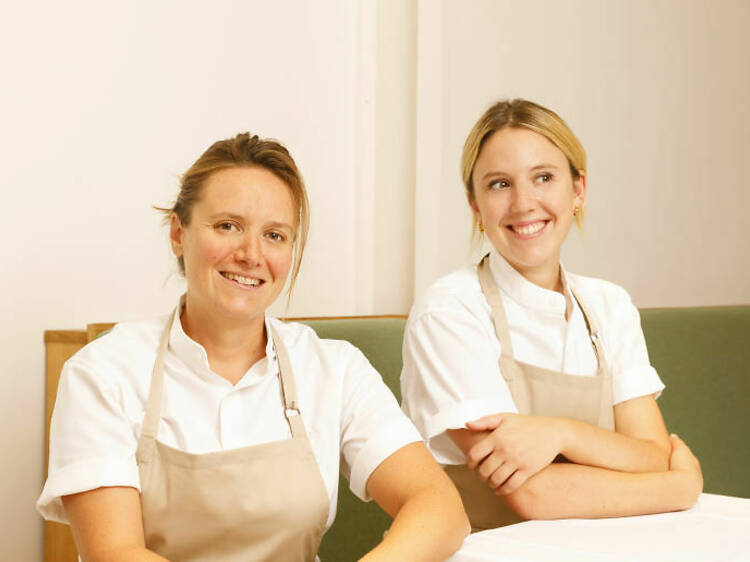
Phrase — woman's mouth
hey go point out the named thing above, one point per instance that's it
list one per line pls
(528, 229)
(242, 280)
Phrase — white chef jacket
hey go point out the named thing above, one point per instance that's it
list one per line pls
(451, 352)
(348, 411)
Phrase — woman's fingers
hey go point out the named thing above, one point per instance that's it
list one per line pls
(486, 423)
(501, 475)
(488, 466)
(479, 452)
(515, 481)
(682, 458)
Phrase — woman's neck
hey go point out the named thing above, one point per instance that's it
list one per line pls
(553, 281)
(232, 347)
(549, 278)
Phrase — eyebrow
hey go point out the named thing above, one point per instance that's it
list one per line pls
(533, 169)
(279, 224)
(225, 215)
(544, 166)
(240, 218)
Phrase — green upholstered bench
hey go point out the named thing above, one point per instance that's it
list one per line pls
(701, 354)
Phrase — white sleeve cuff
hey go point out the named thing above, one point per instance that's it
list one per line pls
(381, 445)
(81, 477)
(635, 383)
(455, 417)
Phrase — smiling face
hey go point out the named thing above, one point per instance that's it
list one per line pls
(238, 245)
(524, 196)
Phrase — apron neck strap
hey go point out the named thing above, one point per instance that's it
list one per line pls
(492, 294)
(591, 327)
(288, 387)
(154, 402)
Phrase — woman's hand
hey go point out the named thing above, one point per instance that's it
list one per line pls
(517, 447)
(683, 461)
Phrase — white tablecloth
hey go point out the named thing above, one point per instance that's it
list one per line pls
(716, 529)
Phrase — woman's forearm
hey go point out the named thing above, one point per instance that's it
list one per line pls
(427, 527)
(107, 525)
(429, 521)
(570, 490)
(587, 444)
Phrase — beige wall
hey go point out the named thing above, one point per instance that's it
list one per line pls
(659, 94)
(395, 153)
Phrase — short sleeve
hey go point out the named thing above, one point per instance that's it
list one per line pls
(91, 441)
(451, 376)
(632, 373)
(373, 427)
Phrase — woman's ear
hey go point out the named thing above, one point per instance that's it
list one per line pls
(176, 230)
(579, 186)
(476, 215)
(472, 204)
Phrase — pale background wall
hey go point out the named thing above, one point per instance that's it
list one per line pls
(102, 107)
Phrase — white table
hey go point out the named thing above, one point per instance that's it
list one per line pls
(716, 529)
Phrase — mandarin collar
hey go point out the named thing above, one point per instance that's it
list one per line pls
(526, 293)
(195, 357)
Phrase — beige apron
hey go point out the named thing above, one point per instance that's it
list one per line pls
(263, 502)
(536, 391)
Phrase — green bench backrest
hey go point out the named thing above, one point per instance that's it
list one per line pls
(703, 357)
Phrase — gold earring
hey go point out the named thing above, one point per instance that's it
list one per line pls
(576, 211)
(481, 226)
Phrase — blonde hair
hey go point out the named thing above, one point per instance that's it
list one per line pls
(532, 116)
(245, 150)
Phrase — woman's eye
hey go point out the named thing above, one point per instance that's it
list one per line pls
(227, 226)
(500, 184)
(544, 178)
(276, 236)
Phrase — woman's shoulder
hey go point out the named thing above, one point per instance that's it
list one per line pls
(605, 297)
(124, 348)
(458, 292)
(300, 338)
(595, 285)
(327, 363)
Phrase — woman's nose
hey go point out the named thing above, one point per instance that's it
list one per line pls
(249, 250)
(523, 197)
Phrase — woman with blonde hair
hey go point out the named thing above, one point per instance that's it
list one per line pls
(216, 433)
(515, 363)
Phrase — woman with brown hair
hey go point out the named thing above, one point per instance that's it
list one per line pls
(514, 363)
(217, 433)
